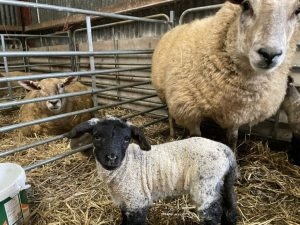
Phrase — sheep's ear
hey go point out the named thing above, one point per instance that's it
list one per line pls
(138, 135)
(80, 129)
(236, 1)
(29, 85)
(69, 80)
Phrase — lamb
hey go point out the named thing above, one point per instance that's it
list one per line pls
(43, 109)
(136, 177)
(291, 106)
(231, 67)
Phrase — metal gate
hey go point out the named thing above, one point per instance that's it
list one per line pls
(115, 64)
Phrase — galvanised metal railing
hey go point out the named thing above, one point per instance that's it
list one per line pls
(92, 72)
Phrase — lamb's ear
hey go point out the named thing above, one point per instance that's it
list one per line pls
(69, 80)
(29, 85)
(236, 1)
(80, 129)
(138, 135)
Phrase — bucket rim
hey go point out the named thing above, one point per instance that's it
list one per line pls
(16, 185)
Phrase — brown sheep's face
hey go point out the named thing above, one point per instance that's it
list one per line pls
(50, 87)
(265, 30)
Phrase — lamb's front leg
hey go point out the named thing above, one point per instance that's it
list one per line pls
(232, 137)
(136, 217)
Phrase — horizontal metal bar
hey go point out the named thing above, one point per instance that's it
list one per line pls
(153, 122)
(64, 74)
(31, 100)
(33, 35)
(121, 22)
(43, 120)
(66, 95)
(76, 10)
(35, 144)
(143, 112)
(57, 157)
(34, 65)
(60, 116)
(6, 88)
(73, 53)
(198, 9)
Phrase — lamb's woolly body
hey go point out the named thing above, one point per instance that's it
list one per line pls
(38, 110)
(191, 166)
(197, 70)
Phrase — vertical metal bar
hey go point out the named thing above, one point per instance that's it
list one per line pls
(172, 19)
(38, 13)
(92, 59)
(6, 66)
(7, 19)
(2, 14)
(72, 48)
(13, 15)
(26, 59)
(116, 47)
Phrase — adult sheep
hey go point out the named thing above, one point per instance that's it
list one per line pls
(136, 177)
(231, 67)
(43, 109)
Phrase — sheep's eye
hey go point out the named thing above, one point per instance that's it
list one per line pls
(61, 85)
(246, 6)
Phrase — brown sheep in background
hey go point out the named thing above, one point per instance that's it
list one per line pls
(43, 109)
(231, 67)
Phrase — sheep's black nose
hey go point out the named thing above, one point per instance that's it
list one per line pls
(269, 55)
(111, 157)
(53, 102)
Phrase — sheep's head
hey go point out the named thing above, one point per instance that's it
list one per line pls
(49, 87)
(111, 138)
(265, 29)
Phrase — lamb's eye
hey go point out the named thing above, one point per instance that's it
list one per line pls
(97, 138)
(126, 139)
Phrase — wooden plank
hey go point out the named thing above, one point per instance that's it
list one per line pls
(10, 28)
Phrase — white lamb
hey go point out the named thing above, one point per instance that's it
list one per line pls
(231, 67)
(203, 168)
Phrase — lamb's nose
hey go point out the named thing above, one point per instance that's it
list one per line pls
(269, 54)
(112, 157)
(53, 102)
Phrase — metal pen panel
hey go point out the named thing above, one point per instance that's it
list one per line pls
(76, 10)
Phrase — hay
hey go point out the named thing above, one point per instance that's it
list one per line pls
(69, 191)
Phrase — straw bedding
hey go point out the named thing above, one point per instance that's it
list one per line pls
(69, 191)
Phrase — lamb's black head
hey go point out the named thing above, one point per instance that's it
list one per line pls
(111, 137)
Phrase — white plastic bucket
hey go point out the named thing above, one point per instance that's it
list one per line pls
(14, 208)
